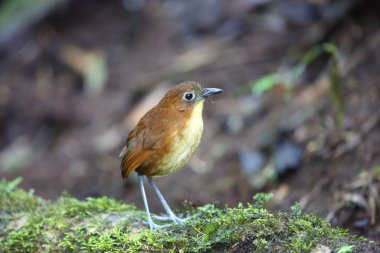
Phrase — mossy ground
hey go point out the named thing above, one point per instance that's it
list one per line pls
(31, 224)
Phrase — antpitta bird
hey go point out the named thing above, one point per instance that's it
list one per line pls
(165, 138)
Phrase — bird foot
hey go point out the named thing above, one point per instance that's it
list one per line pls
(153, 225)
(173, 218)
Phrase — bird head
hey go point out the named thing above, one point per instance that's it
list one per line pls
(188, 95)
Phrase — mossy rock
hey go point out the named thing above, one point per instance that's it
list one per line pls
(31, 224)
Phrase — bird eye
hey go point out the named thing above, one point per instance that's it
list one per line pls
(188, 96)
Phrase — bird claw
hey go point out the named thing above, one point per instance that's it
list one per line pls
(173, 218)
(153, 225)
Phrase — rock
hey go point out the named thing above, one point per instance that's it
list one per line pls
(107, 225)
(287, 156)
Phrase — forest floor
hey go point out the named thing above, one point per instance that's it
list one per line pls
(60, 132)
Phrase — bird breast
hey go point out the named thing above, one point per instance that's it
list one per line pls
(184, 143)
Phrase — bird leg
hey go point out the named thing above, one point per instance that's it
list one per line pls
(150, 222)
(171, 215)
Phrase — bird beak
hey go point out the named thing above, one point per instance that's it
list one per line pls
(206, 92)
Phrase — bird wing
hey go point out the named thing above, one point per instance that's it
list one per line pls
(141, 142)
(132, 160)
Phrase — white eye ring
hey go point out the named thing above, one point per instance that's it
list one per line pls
(188, 96)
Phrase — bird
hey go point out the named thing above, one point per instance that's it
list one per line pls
(164, 139)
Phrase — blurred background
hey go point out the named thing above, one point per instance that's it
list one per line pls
(299, 116)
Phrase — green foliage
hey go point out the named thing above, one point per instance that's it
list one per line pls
(261, 199)
(17, 14)
(16, 200)
(106, 225)
(335, 78)
(265, 83)
(270, 81)
(7, 187)
(95, 73)
(345, 248)
(296, 209)
(288, 78)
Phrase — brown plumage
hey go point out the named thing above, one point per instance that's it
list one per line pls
(166, 136)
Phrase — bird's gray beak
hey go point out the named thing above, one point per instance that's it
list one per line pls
(206, 92)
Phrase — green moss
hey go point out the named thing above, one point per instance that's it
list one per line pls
(345, 248)
(106, 225)
(74, 208)
(14, 200)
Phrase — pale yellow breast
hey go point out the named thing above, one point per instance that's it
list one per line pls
(184, 143)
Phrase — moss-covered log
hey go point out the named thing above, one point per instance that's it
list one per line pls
(31, 224)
